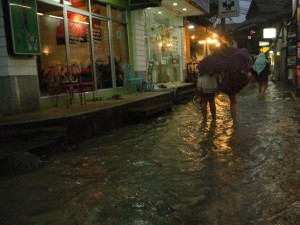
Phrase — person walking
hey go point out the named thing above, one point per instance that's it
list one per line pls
(233, 65)
(207, 88)
(231, 83)
(261, 72)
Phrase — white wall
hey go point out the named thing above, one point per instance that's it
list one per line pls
(19, 90)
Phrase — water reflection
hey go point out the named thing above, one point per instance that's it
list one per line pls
(173, 169)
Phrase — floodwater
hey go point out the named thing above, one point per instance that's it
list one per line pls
(173, 170)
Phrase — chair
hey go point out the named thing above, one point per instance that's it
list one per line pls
(83, 85)
(70, 83)
(133, 83)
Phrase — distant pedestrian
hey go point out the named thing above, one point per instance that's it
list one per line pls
(261, 71)
(207, 88)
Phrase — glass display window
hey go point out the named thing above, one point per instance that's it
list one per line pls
(67, 38)
(98, 8)
(118, 14)
(53, 45)
(102, 54)
(79, 40)
(119, 37)
(163, 45)
(78, 4)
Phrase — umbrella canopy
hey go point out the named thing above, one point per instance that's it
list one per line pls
(226, 59)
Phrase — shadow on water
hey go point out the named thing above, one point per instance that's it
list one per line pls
(174, 169)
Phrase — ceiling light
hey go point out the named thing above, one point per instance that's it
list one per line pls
(184, 9)
(68, 3)
(175, 3)
(191, 26)
(18, 5)
(57, 17)
(269, 33)
(159, 12)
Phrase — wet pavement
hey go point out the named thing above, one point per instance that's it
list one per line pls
(173, 169)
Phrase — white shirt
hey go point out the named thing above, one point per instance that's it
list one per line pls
(207, 83)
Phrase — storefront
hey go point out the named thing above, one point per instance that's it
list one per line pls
(93, 38)
(86, 38)
(159, 34)
(90, 40)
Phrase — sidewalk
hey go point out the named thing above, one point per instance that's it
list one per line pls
(43, 131)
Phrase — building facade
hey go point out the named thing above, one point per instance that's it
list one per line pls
(45, 42)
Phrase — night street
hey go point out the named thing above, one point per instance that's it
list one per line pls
(173, 170)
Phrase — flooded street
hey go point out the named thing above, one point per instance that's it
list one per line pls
(173, 170)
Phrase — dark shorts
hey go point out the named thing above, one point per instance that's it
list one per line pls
(262, 78)
(207, 96)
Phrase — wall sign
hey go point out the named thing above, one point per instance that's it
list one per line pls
(24, 27)
(229, 8)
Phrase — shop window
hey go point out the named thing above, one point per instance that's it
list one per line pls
(98, 8)
(118, 14)
(79, 4)
(163, 45)
(79, 39)
(120, 50)
(53, 54)
(102, 54)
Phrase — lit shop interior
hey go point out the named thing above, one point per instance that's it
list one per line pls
(77, 40)
(200, 42)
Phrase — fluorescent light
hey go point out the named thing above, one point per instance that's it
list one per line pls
(40, 14)
(264, 43)
(269, 33)
(78, 21)
(175, 3)
(57, 17)
(184, 9)
(191, 26)
(208, 41)
(18, 5)
(67, 3)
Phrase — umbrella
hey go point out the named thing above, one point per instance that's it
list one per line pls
(226, 59)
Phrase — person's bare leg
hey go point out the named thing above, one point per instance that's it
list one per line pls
(233, 107)
(204, 108)
(263, 87)
(212, 106)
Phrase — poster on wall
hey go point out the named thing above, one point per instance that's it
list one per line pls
(229, 8)
(96, 29)
(24, 27)
(78, 28)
